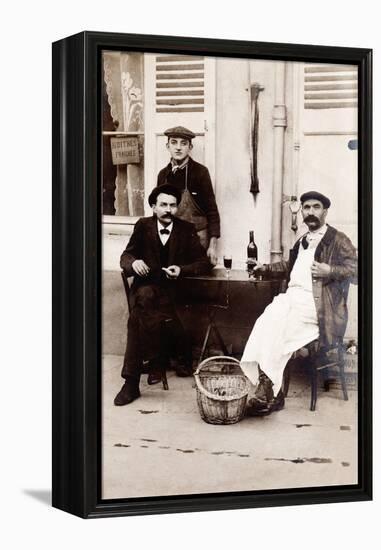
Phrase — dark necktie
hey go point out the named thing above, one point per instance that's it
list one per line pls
(164, 231)
(305, 242)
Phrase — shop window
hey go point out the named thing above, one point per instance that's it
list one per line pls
(123, 134)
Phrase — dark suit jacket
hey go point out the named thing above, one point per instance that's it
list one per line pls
(185, 250)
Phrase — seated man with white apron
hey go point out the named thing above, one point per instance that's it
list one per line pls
(322, 265)
(198, 203)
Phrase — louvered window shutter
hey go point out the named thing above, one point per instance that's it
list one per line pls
(330, 86)
(179, 84)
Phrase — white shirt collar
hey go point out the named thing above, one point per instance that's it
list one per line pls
(164, 236)
(160, 226)
(313, 235)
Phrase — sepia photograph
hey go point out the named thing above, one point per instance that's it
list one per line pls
(188, 300)
(229, 310)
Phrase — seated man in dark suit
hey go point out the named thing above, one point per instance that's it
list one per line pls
(161, 249)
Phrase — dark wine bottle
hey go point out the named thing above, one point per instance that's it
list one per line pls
(252, 253)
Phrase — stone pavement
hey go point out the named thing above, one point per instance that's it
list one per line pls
(159, 445)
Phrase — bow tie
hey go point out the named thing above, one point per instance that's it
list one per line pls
(164, 232)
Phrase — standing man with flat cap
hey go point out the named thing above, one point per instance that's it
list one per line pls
(198, 203)
(322, 264)
(161, 249)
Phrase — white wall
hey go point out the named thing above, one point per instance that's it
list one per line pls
(27, 30)
(240, 211)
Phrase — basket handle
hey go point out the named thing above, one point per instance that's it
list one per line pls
(201, 387)
(214, 358)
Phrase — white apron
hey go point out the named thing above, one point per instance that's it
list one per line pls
(286, 325)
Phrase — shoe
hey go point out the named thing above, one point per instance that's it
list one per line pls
(257, 408)
(128, 393)
(184, 364)
(184, 370)
(264, 401)
(278, 403)
(156, 368)
(154, 377)
(264, 391)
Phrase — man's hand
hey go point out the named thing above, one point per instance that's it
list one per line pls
(320, 270)
(212, 251)
(140, 268)
(172, 272)
(255, 265)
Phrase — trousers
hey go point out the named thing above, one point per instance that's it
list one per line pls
(154, 331)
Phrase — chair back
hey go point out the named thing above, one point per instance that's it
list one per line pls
(126, 284)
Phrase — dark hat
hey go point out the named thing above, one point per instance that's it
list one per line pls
(179, 131)
(166, 188)
(317, 196)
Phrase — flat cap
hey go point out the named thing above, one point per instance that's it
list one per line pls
(310, 195)
(166, 188)
(179, 131)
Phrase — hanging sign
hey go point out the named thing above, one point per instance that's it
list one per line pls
(125, 150)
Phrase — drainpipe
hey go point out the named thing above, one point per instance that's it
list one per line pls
(279, 124)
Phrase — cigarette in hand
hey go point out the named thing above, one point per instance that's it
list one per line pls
(173, 271)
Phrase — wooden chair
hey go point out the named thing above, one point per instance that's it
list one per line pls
(126, 284)
(319, 363)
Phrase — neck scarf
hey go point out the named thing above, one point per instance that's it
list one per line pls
(176, 167)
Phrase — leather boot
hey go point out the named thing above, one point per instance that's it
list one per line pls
(184, 365)
(184, 370)
(128, 393)
(157, 370)
(264, 402)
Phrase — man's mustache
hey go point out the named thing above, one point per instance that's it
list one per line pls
(164, 214)
(169, 216)
(311, 218)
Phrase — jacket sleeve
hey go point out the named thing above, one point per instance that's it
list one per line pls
(211, 209)
(162, 176)
(133, 249)
(344, 265)
(278, 267)
(197, 260)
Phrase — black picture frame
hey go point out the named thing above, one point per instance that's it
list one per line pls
(77, 274)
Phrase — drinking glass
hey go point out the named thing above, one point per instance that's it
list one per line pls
(227, 263)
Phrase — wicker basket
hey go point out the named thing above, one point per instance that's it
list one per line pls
(222, 390)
